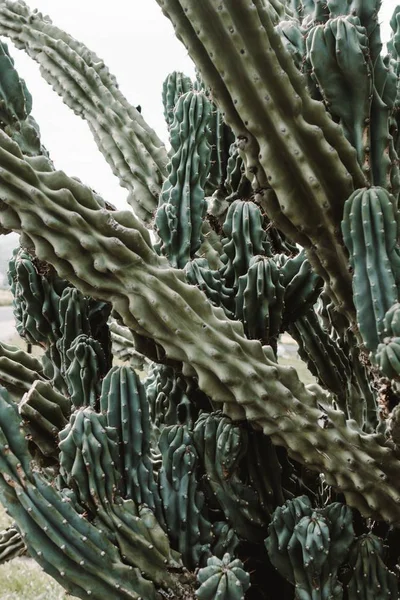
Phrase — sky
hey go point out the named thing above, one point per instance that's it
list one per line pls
(138, 45)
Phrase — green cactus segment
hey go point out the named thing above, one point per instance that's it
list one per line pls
(28, 138)
(73, 320)
(123, 345)
(220, 138)
(18, 370)
(394, 52)
(384, 158)
(223, 579)
(325, 359)
(212, 283)
(182, 204)
(36, 300)
(122, 268)
(169, 405)
(87, 367)
(68, 547)
(259, 301)
(308, 546)
(225, 539)
(132, 149)
(302, 285)
(11, 544)
(337, 367)
(123, 401)
(183, 502)
(371, 579)
(175, 85)
(312, 182)
(338, 54)
(387, 355)
(89, 463)
(245, 238)
(293, 38)
(236, 183)
(45, 412)
(15, 100)
(88, 452)
(370, 234)
(221, 446)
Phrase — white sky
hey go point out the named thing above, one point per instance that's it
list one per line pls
(138, 45)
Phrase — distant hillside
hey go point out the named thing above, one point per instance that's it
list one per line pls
(7, 245)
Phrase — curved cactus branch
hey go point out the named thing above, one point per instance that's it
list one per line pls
(134, 152)
(288, 140)
(108, 255)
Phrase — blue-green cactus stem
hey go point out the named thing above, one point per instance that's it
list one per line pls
(225, 539)
(123, 401)
(236, 183)
(89, 463)
(223, 579)
(18, 370)
(371, 579)
(370, 234)
(15, 99)
(244, 238)
(212, 283)
(157, 304)
(82, 466)
(175, 85)
(87, 367)
(338, 55)
(222, 445)
(220, 138)
(259, 301)
(182, 204)
(73, 318)
(324, 358)
(169, 404)
(285, 137)
(67, 546)
(302, 285)
(308, 546)
(394, 52)
(36, 300)
(188, 527)
(387, 355)
(45, 412)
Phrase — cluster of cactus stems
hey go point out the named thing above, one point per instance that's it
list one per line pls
(197, 465)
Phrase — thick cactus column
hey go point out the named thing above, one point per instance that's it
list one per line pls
(304, 156)
(157, 303)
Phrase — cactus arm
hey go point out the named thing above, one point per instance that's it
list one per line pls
(67, 546)
(18, 370)
(107, 255)
(279, 128)
(134, 152)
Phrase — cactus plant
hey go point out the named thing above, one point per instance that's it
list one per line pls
(204, 464)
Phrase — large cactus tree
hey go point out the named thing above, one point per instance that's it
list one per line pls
(217, 473)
